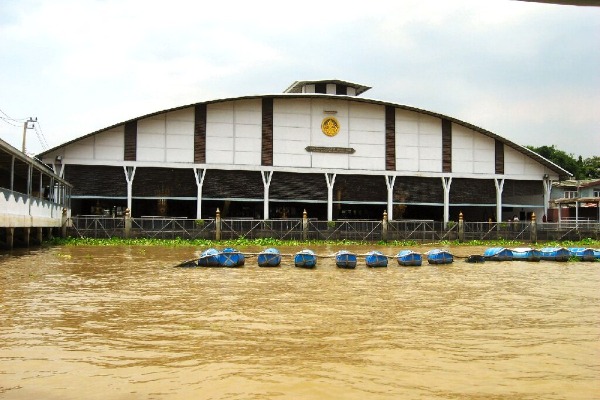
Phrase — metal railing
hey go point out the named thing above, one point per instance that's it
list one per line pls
(300, 229)
(285, 229)
(356, 230)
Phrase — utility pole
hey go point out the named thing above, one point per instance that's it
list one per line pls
(25, 127)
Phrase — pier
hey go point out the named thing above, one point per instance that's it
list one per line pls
(34, 200)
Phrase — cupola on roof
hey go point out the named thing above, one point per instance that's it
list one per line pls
(329, 86)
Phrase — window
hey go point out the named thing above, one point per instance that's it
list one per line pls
(571, 194)
(596, 193)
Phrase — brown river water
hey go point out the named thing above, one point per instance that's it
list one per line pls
(122, 323)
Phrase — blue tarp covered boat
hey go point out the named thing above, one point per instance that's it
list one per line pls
(409, 258)
(526, 254)
(209, 258)
(231, 258)
(376, 259)
(555, 254)
(305, 259)
(597, 254)
(498, 254)
(269, 258)
(345, 259)
(582, 253)
(439, 256)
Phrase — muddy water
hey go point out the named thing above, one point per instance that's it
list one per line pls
(122, 323)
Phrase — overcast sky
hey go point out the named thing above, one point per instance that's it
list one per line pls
(529, 72)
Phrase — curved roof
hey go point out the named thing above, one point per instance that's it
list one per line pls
(529, 153)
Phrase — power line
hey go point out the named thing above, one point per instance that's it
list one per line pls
(40, 135)
(8, 121)
(9, 118)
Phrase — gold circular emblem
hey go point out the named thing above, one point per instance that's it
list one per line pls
(330, 126)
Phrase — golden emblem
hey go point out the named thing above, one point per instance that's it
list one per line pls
(330, 126)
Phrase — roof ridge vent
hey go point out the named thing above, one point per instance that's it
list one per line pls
(329, 86)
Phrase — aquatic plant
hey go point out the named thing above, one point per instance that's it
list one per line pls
(272, 242)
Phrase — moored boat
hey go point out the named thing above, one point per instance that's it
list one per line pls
(582, 253)
(498, 254)
(231, 258)
(305, 259)
(209, 258)
(409, 258)
(345, 259)
(270, 257)
(475, 259)
(555, 254)
(526, 254)
(439, 256)
(376, 259)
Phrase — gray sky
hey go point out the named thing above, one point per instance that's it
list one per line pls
(529, 72)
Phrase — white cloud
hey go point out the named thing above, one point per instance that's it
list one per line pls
(516, 68)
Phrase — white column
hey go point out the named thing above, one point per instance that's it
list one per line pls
(199, 182)
(547, 191)
(446, 182)
(330, 178)
(499, 188)
(129, 175)
(389, 182)
(59, 171)
(266, 178)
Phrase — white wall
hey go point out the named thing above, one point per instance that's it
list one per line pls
(472, 152)
(418, 142)
(297, 124)
(167, 137)
(518, 164)
(234, 132)
(291, 132)
(367, 136)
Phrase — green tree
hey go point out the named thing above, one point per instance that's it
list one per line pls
(591, 168)
(562, 159)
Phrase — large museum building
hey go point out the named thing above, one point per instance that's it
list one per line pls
(318, 147)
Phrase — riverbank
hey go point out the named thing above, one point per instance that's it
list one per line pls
(240, 242)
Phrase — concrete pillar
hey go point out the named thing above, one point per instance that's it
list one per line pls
(266, 178)
(63, 223)
(446, 183)
(499, 188)
(389, 182)
(10, 238)
(304, 225)
(40, 235)
(533, 228)
(199, 183)
(129, 175)
(218, 225)
(26, 236)
(461, 228)
(330, 179)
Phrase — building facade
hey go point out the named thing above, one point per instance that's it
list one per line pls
(318, 147)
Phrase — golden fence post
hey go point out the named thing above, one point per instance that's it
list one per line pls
(218, 225)
(384, 227)
(304, 225)
(461, 227)
(533, 228)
